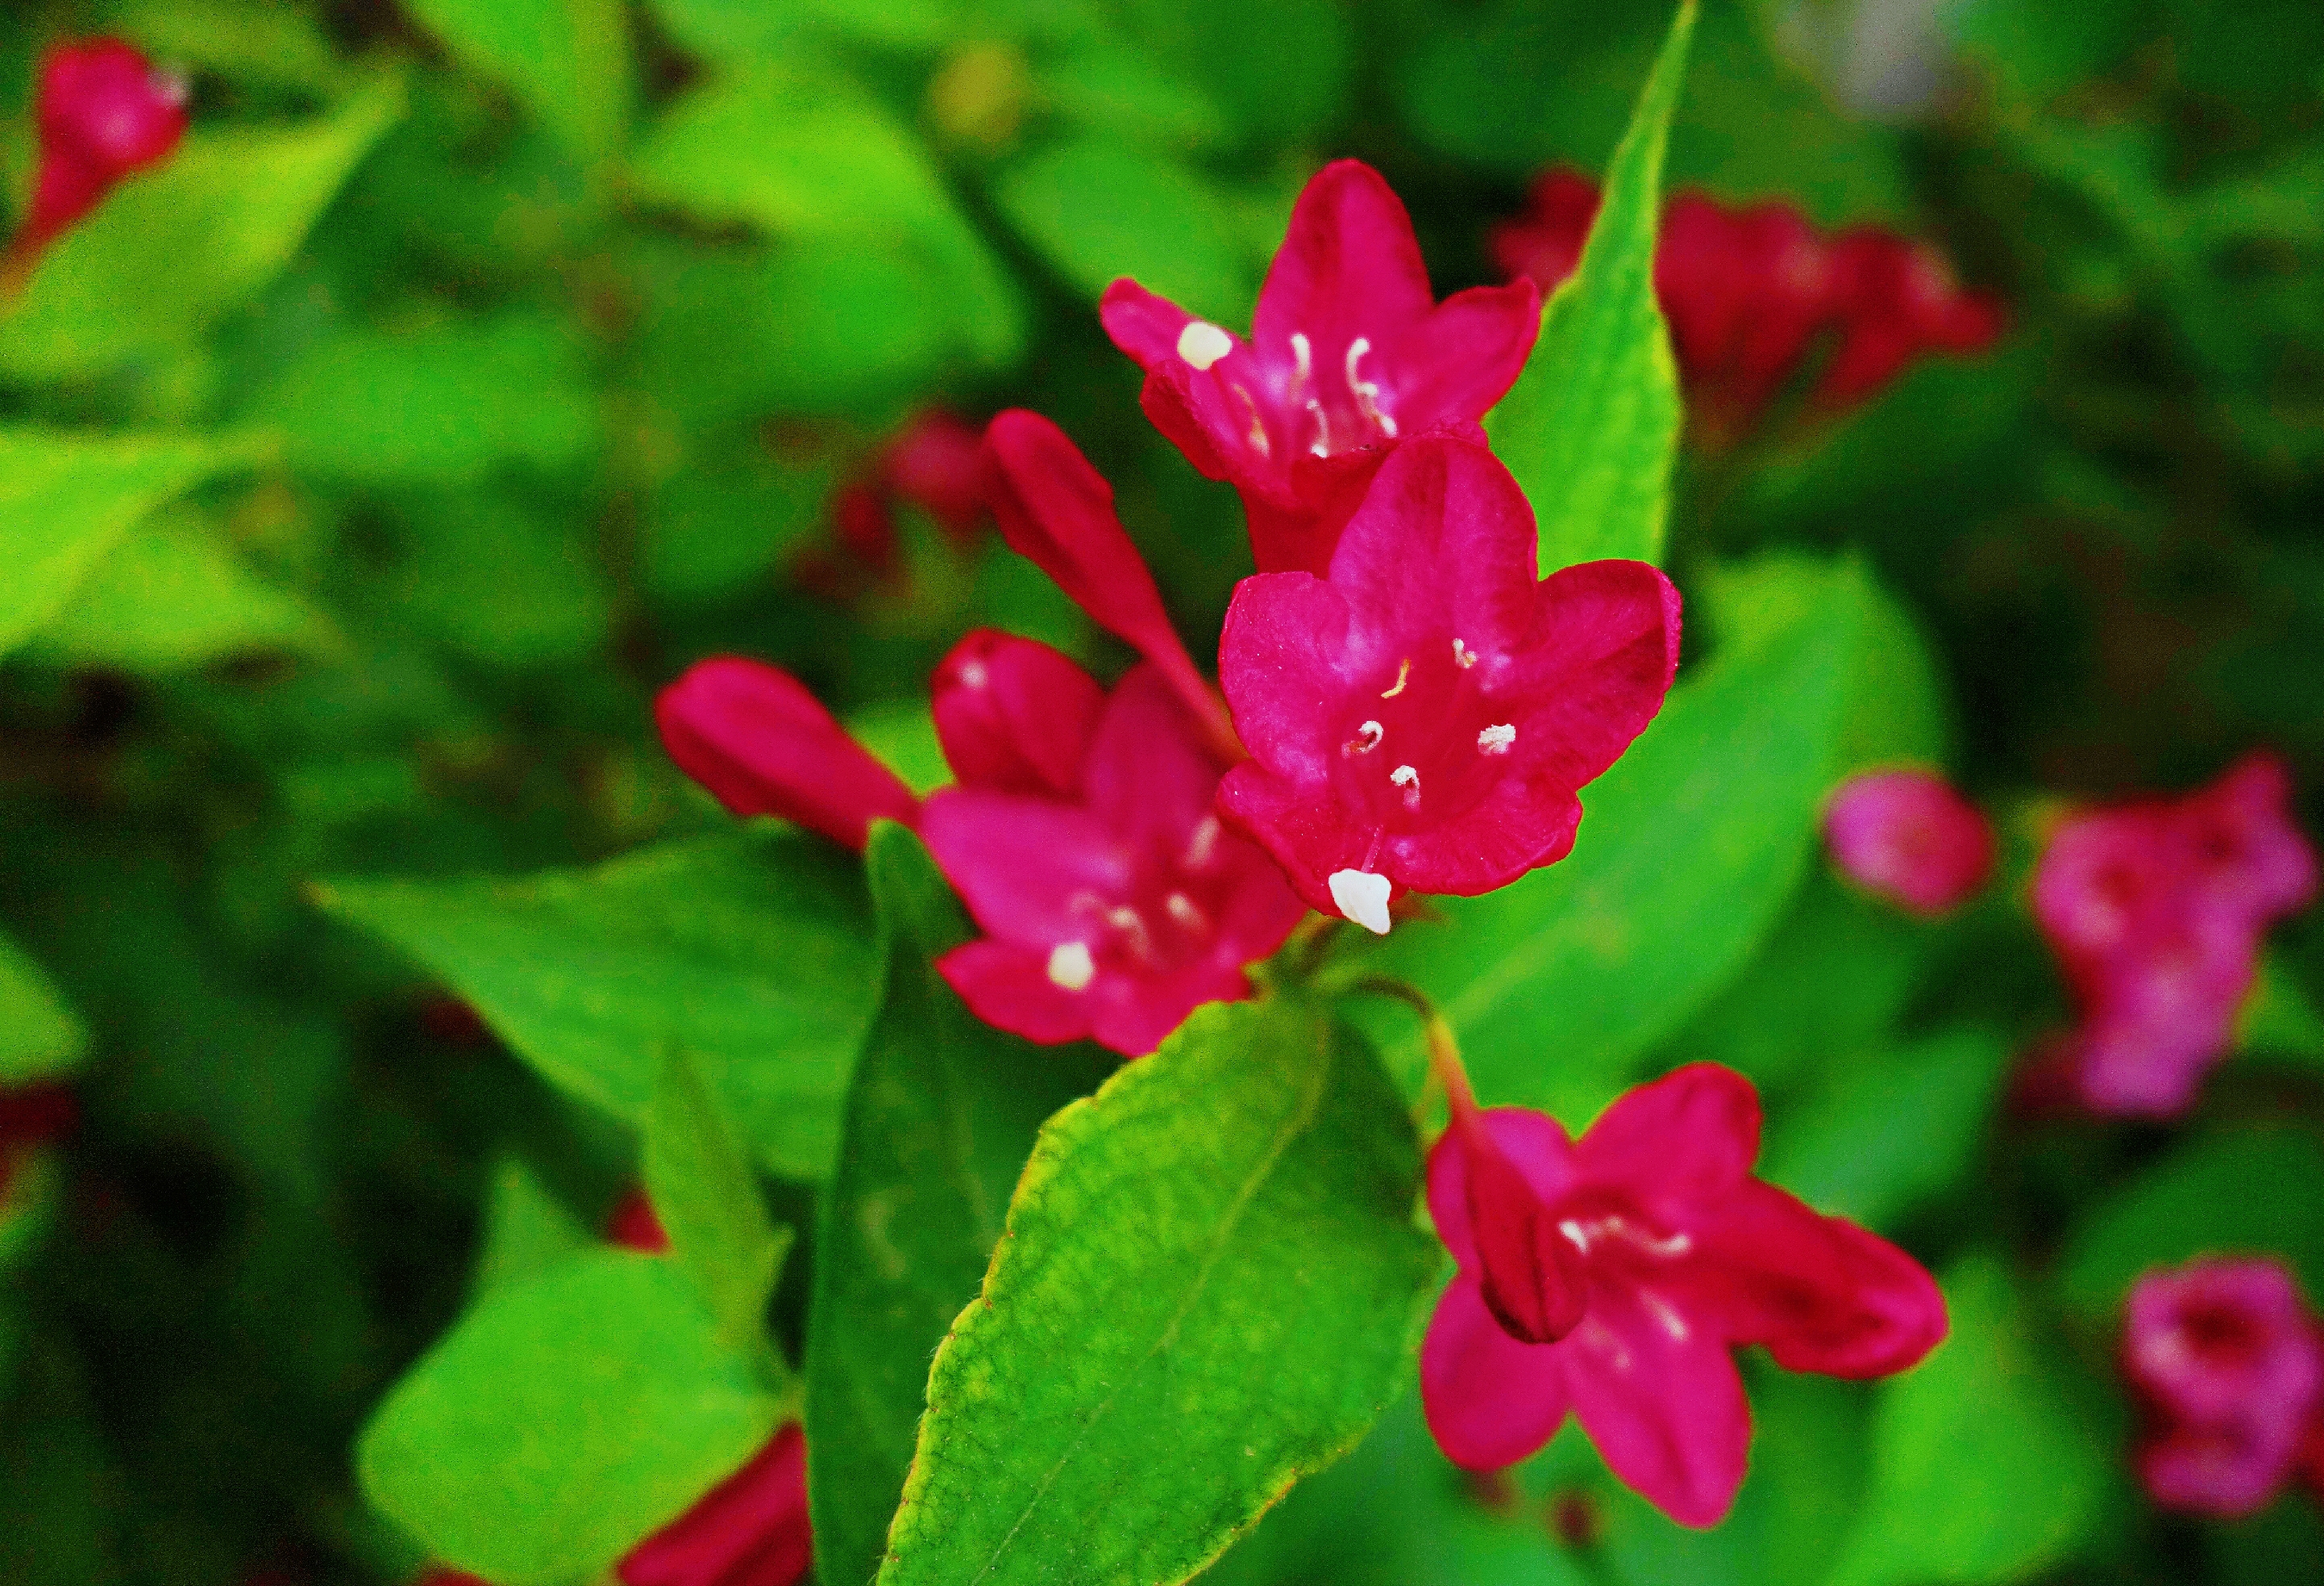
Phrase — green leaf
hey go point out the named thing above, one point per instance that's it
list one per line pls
(67, 500)
(500, 577)
(170, 251)
(1892, 1128)
(940, 1120)
(567, 60)
(443, 404)
(2224, 1193)
(1591, 429)
(1981, 1468)
(39, 1034)
(707, 1199)
(2278, 1019)
(1689, 849)
(1098, 210)
(173, 596)
(528, 1232)
(1208, 1288)
(563, 1421)
(743, 31)
(752, 950)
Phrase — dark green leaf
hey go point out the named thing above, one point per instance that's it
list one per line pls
(940, 1120)
(1208, 1288)
(707, 1199)
(567, 60)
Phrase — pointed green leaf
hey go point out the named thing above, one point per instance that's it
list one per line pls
(66, 500)
(168, 252)
(567, 60)
(39, 1034)
(2278, 1019)
(940, 1120)
(703, 1190)
(563, 1421)
(1591, 427)
(752, 950)
(1208, 1288)
(527, 1231)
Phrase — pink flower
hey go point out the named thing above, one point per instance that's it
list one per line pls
(104, 113)
(752, 1529)
(1349, 353)
(1112, 901)
(2157, 910)
(1681, 1255)
(1422, 717)
(633, 1226)
(2229, 1368)
(1895, 301)
(935, 462)
(1907, 836)
(761, 744)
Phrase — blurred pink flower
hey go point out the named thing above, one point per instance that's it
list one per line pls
(104, 114)
(633, 1226)
(752, 1529)
(935, 463)
(2230, 1366)
(1907, 836)
(1349, 353)
(1422, 717)
(1680, 1255)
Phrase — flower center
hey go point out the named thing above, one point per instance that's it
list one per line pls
(1427, 745)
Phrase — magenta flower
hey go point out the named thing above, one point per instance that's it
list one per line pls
(1014, 716)
(104, 114)
(2157, 910)
(1895, 300)
(752, 1529)
(1909, 837)
(1115, 904)
(2229, 1368)
(1349, 353)
(1681, 1255)
(762, 744)
(1422, 717)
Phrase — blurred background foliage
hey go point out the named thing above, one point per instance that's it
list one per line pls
(478, 363)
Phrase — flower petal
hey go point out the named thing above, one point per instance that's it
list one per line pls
(1522, 823)
(1605, 643)
(1014, 716)
(1009, 987)
(1468, 352)
(1491, 1400)
(1349, 266)
(1687, 1139)
(1148, 777)
(1032, 871)
(1445, 543)
(1493, 1183)
(1660, 1397)
(752, 1527)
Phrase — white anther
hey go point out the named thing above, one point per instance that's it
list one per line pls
(1367, 739)
(1671, 1320)
(1363, 896)
(1366, 392)
(1497, 740)
(1576, 1232)
(1202, 845)
(973, 675)
(1407, 778)
(1071, 967)
(1203, 344)
(1132, 926)
(1462, 656)
(1181, 908)
(1320, 446)
(1403, 673)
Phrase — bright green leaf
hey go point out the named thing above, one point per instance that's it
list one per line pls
(707, 1199)
(173, 596)
(1982, 1471)
(940, 1120)
(527, 1231)
(2278, 1019)
(743, 31)
(752, 950)
(563, 1421)
(1098, 210)
(1208, 1288)
(567, 60)
(1591, 429)
(67, 500)
(39, 1034)
(902, 734)
(440, 405)
(171, 250)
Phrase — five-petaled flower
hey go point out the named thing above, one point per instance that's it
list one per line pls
(2157, 910)
(1679, 1254)
(1349, 353)
(104, 114)
(1083, 841)
(1422, 717)
(1907, 836)
(2228, 1367)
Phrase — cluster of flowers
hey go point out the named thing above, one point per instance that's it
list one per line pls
(104, 113)
(1751, 293)
(2228, 1367)
(1408, 708)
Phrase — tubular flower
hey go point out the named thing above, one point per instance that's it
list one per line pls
(2229, 1369)
(1422, 717)
(1680, 1255)
(1116, 905)
(2157, 911)
(1749, 290)
(1349, 353)
(104, 114)
(761, 744)
(1907, 836)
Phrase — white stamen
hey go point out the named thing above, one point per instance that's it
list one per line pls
(1407, 778)
(1363, 896)
(1497, 740)
(1403, 672)
(1132, 926)
(1367, 739)
(1203, 844)
(1672, 1322)
(1366, 392)
(1577, 1233)
(1182, 909)
(1462, 656)
(1203, 344)
(1071, 967)
(1321, 446)
(1305, 354)
(1258, 435)
(973, 675)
